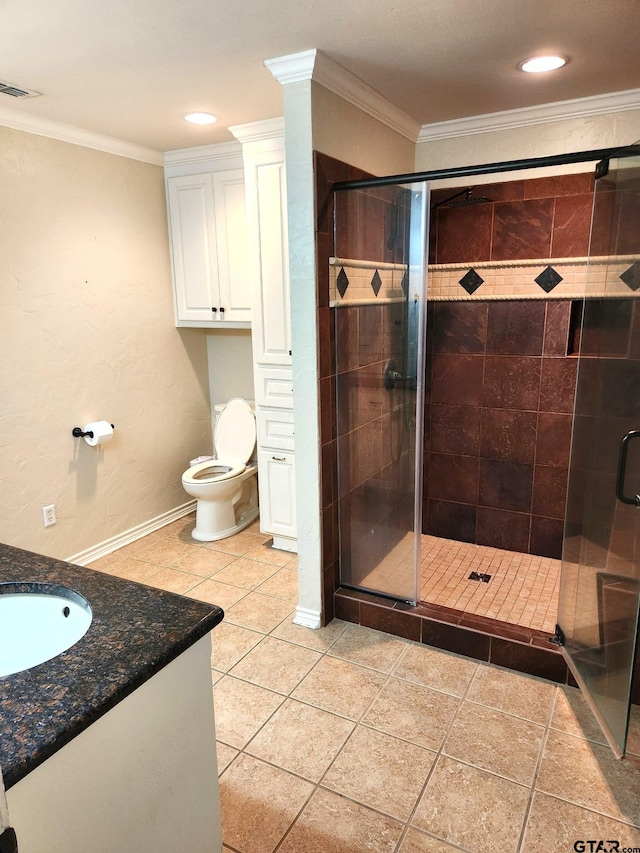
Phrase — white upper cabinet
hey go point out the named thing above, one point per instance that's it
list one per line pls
(208, 238)
(266, 191)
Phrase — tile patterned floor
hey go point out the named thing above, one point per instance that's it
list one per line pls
(348, 740)
(523, 588)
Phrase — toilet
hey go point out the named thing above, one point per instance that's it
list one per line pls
(226, 487)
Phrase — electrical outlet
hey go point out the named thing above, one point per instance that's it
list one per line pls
(49, 515)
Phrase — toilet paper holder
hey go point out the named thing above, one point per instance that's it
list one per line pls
(78, 432)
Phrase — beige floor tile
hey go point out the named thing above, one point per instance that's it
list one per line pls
(494, 741)
(590, 776)
(241, 709)
(106, 564)
(413, 712)
(246, 573)
(166, 552)
(340, 687)
(213, 592)
(259, 612)
(381, 772)
(331, 824)
(284, 584)
(239, 544)
(144, 542)
(476, 810)
(301, 739)
(216, 675)
(434, 668)
(293, 562)
(230, 643)
(268, 554)
(368, 648)
(173, 580)
(521, 695)
(251, 821)
(276, 665)
(181, 529)
(319, 639)
(225, 754)
(572, 715)
(125, 567)
(204, 562)
(555, 825)
(416, 841)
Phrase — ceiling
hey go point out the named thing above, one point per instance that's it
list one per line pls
(132, 68)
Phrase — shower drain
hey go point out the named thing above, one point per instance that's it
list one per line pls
(476, 576)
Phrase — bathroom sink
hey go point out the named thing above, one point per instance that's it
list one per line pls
(38, 623)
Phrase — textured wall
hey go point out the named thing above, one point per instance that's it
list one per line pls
(585, 133)
(86, 312)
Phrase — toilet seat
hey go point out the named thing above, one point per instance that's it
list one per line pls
(234, 438)
(214, 470)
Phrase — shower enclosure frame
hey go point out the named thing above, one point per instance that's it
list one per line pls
(594, 155)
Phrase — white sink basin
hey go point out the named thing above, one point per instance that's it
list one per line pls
(38, 625)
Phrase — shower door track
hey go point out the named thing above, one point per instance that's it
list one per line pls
(602, 154)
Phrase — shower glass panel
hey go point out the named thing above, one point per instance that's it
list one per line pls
(600, 581)
(378, 293)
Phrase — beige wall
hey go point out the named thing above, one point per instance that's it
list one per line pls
(557, 137)
(86, 315)
(345, 132)
(230, 365)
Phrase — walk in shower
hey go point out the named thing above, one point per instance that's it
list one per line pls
(476, 376)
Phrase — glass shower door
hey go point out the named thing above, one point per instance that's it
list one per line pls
(600, 580)
(379, 279)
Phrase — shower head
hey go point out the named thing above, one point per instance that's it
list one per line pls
(455, 200)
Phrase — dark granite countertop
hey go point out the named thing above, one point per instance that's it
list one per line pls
(135, 631)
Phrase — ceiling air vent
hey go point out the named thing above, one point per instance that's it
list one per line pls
(16, 91)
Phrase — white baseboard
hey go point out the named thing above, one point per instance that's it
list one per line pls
(84, 558)
(284, 543)
(307, 618)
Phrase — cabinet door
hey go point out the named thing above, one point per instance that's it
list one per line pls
(277, 482)
(235, 293)
(193, 246)
(268, 255)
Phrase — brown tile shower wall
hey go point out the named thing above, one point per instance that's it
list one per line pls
(327, 172)
(355, 428)
(535, 218)
(500, 391)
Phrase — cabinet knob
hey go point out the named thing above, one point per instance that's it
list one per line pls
(222, 310)
(215, 310)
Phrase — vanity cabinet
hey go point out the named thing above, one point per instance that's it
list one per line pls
(208, 241)
(268, 264)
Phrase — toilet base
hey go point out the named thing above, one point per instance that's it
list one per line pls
(221, 519)
(206, 536)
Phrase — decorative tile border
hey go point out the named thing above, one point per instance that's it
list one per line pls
(363, 282)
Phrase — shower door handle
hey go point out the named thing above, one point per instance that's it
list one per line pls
(622, 469)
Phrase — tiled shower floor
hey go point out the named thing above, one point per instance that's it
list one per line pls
(349, 740)
(523, 588)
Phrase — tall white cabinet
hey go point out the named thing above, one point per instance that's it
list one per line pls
(268, 270)
(208, 236)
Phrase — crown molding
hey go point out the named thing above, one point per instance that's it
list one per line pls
(200, 153)
(29, 123)
(612, 102)
(315, 65)
(259, 131)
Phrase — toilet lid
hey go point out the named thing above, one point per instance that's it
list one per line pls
(235, 431)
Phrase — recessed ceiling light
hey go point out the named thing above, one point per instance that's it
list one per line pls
(542, 63)
(200, 118)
